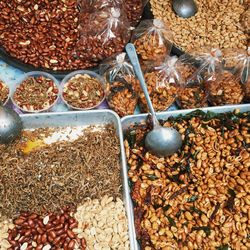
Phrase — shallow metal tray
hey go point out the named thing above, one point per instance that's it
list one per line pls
(86, 118)
(135, 119)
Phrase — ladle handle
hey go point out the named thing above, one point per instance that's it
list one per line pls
(131, 51)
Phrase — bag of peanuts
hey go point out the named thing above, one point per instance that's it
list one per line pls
(132, 8)
(152, 40)
(105, 33)
(192, 93)
(162, 83)
(241, 64)
(122, 85)
(222, 85)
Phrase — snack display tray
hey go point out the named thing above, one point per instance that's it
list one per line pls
(135, 119)
(82, 119)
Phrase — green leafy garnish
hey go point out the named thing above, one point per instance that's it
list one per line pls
(223, 247)
(171, 221)
(193, 198)
(207, 230)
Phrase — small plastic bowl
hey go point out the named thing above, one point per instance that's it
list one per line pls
(4, 85)
(36, 74)
(92, 74)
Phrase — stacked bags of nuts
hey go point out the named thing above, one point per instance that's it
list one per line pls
(192, 93)
(122, 85)
(162, 83)
(152, 40)
(223, 86)
(104, 30)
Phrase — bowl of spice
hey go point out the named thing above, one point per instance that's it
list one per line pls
(4, 93)
(37, 92)
(83, 90)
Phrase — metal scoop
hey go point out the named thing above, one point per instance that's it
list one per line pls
(185, 8)
(161, 141)
(10, 125)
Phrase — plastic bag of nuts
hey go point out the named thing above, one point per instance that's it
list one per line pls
(152, 40)
(105, 33)
(132, 8)
(122, 85)
(162, 83)
(192, 93)
(223, 86)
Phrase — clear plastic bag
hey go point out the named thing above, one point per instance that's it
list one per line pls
(192, 93)
(132, 8)
(105, 34)
(241, 67)
(122, 85)
(152, 40)
(162, 83)
(224, 88)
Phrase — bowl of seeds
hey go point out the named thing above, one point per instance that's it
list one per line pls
(36, 92)
(4, 93)
(83, 90)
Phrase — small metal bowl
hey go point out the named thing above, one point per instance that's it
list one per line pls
(36, 74)
(92, 74)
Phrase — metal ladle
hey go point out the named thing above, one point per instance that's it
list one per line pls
(161, 141)
(185, 8)
(10, 125)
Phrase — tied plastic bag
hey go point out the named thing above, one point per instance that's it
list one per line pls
(192, 93)
(105, 34)
(132, 8)
(223, 86)
(162, 84)
(152, 40)
(122, 85)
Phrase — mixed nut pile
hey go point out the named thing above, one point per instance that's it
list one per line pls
(36, 94)
(197, 198)
(4, 92)
(67, 204)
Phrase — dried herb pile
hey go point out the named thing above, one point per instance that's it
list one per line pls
(60, 174)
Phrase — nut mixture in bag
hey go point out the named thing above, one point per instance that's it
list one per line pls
(121, 97)
(162, 83)
(224, 88)
(122, 85)
(191, 93)
(105, 34)
(152, 40)
(241, 67)
(132, 8)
